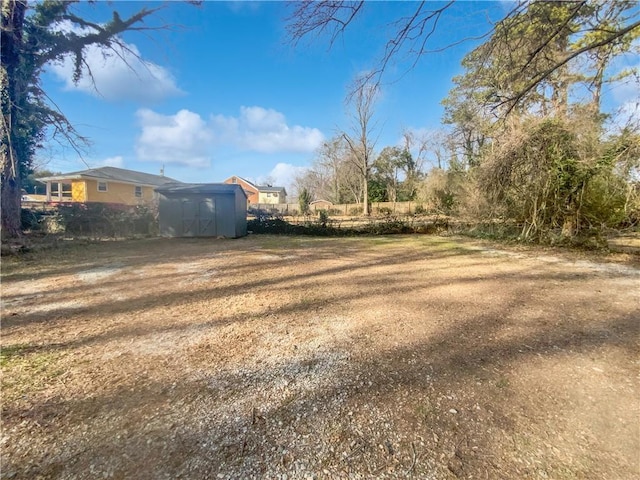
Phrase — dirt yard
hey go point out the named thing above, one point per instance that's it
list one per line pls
(299, 358)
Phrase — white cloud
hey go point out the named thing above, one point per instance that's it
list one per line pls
(118, 74)
(283, 175)
(625, 95)
(116, 161)
(626, 89)
(183, 138)
(265, 131)
(242, 6)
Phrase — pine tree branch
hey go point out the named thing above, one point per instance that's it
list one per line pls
(513, 101)
(105, 35)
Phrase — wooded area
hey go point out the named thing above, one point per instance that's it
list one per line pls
(525, 139)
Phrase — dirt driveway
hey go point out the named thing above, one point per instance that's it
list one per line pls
(301, 358)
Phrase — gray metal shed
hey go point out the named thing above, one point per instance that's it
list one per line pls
(202, 210)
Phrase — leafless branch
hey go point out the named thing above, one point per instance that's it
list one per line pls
(318, 17)
(412, 32)
(62, 126)
(353, 158)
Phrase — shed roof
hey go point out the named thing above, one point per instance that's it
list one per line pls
(116, 175)
(201, 188)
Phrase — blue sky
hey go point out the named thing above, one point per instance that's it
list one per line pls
(224, 93)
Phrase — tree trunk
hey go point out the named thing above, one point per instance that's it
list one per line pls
(598, 81)
(365, 194)
(13, 12)
(561, 86)
(11, 199)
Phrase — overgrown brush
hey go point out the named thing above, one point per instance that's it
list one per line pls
(557, 183)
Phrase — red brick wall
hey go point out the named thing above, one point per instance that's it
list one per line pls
(250, 190)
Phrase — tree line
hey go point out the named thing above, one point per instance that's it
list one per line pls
(525, 139)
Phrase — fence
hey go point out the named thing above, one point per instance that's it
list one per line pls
(346, 209)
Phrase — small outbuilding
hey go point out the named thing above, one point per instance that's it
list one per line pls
(202, 210)
(320, 205)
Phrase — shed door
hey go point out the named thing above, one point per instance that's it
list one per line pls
(189, 218)
(199, 217)
(207, 217)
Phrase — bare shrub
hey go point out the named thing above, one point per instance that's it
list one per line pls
(443, 190)
(537, 177)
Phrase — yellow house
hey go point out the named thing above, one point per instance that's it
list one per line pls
(268, 194)
(105, 185)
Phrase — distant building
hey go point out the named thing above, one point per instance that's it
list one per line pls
(272, 195)
(104, 185)
(320, 205)
(259, 193)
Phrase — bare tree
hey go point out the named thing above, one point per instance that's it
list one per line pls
(359, 140)
(332, 156)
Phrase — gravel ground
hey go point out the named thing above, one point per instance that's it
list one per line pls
(300, 358)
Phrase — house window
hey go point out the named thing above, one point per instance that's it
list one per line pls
(102, 186)
(137, 191)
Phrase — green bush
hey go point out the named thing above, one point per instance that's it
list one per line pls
(271, 225)
(323, 218)
(304, 199)
(604, 201)
(388, 227)
(31, 220)
(354, 211)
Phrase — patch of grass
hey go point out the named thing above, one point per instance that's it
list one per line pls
(27, 357)
(277, 242)
(381, 240)
(8, 352)
(502, 382)
(27, 368)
